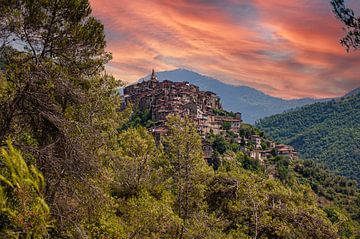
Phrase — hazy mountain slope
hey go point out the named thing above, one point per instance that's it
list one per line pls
(328, 132)
(252, 103)
(353, 92)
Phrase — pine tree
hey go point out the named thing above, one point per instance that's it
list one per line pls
(187, 168)
(135, 162)
(23, 210)
(58, 106)
(351, 24)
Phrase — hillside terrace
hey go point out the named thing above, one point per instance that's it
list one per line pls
(204, 108)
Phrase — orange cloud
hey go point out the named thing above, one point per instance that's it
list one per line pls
(285, 48)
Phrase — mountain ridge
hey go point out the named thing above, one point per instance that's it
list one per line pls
(353, 92)
(252, 103)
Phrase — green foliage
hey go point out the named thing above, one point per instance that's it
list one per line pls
(351, 23)
(324, 132)
(264, 146)
(282, 168)
(59, 107)
(222, 112)
(63, 31)
(148, 217)
(246, 130)
(136, 169)
(346, 227)
(187, 168)
(139, 118)
(218, 143)
(23, 210)
(108, 225)
(254, 206)
(226, 125)
(102, 182)
(235, 147)
(248, 163)
(342, 191)
(339, 192)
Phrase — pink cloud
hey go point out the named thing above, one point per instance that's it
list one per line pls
(285, 48)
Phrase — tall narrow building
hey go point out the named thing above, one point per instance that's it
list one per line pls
(153, 76)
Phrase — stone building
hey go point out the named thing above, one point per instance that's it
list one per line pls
(256, 140)
(180, 98)
(204, 108)
(286, 150)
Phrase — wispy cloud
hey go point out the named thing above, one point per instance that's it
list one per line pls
(285, 48)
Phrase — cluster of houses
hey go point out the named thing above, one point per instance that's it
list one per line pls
(180, 98)
(257, 150)
(203, 107)
(271, 149)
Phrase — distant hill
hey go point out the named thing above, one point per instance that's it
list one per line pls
(252, 103)
(353, 92)
(327, 132)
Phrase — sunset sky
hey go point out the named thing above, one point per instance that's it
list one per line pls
(288, 49)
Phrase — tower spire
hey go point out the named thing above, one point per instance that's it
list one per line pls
(153, 76)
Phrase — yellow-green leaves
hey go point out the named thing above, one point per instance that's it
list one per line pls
(148, 217)
(134, 165)
(22, 197)
(187, 168)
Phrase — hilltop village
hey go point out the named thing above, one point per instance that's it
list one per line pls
(164, 98)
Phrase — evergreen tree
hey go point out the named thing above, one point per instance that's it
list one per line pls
(102, 181)
(253, 206)
(136, 163)
(57, 105)
(352, 24)
(187, 169)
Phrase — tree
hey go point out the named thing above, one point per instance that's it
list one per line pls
(23, 210)
(226, 125)
(135, 165)
(253, 206)
(146, 216)
(187, 168)
(219, 143)
(352, 24)
(57, 105)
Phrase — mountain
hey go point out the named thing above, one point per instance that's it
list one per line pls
(327, 132)
(252, 103)
(353, 92)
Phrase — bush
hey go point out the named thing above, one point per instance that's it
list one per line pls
(226, 125)
(23, 210)
(219, 144)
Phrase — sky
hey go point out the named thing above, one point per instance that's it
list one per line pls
(285, 48)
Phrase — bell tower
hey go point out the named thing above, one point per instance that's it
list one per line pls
(153, 76)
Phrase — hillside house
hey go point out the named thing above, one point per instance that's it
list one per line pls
(180, 98)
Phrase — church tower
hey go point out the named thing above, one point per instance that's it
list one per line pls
(153, 76)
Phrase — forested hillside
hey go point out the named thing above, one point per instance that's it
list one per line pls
(325, 132)
(72, 165)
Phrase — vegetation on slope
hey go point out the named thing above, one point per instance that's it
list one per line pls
(23, 210)
(96, 178)
(332, 190)
(325, 132)
(170, 192)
